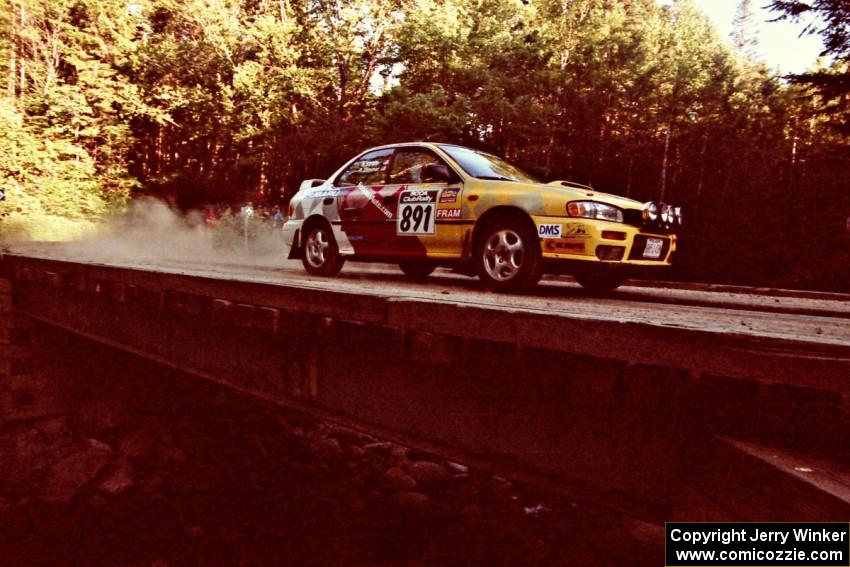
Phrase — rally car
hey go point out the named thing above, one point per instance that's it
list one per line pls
(424, 205)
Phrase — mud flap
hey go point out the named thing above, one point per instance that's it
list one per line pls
(296, 251)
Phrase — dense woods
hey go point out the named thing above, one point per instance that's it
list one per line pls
(224, 101)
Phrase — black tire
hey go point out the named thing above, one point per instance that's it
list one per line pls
(417, 269)
(601, 281)
(320, 253)
(507, 255)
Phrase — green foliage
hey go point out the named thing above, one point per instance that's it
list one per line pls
(52, 186)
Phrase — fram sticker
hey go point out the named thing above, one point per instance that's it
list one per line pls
(448, 213)
(449, 195)
(549, 231)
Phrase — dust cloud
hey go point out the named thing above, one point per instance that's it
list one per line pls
(151, 232)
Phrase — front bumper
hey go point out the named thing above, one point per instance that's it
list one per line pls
(586, 240)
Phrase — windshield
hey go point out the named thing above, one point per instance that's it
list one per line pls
(486, 166)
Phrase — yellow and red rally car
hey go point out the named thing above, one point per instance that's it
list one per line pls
(424, 205)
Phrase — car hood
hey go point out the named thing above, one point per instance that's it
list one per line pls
(574, 193)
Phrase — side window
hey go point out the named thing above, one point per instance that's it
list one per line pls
(409, 164)
(371, 169)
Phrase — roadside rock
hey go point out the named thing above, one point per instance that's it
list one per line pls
(456, 468)
(353, 453)
(379, 447)
(54, 427)
(100, 445)
(500, 485)
(100, 416)
(471, 511)
(145, 440)
(409, 500)
(347, 435)
(396, 480)
(327, 449)
(398, 457)
(65, 478)
(119, 478)
(427, 473)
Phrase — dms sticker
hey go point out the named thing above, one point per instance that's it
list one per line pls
(448, 213)
(449, 195)
(549, 231)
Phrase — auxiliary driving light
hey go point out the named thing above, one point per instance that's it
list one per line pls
(650, 211)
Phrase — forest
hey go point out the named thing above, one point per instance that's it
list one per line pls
(203, 102)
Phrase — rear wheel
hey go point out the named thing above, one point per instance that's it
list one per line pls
(602, 281)
(417, 269)
(508, 256)
(321, 253)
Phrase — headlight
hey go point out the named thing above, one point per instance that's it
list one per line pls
(594, 210)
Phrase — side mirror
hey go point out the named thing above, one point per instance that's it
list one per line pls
(436, 173)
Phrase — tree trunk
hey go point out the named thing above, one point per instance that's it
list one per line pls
(701, 166)
(13, 52)
(664, 160)
(21, 66)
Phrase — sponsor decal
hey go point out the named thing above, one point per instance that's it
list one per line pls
(573, 246)
(370, 166)
(576, 230)
(417, 212)
(374, 200)
(561, 246)
(448, 213)
(418, 196)
(322, 193)
(449, 195)
(549, 231)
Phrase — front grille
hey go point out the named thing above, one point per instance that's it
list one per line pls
(639, 244)
(633, 217)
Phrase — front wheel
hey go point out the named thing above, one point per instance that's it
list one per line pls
(600, 282)
(321, 253)
(417, 269)
(508, 256)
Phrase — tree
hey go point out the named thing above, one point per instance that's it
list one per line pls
(744, 34)
(831, 84)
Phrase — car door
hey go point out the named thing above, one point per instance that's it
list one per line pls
(427, 196)
(365, 220)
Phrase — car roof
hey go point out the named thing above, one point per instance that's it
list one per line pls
(409, 144)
